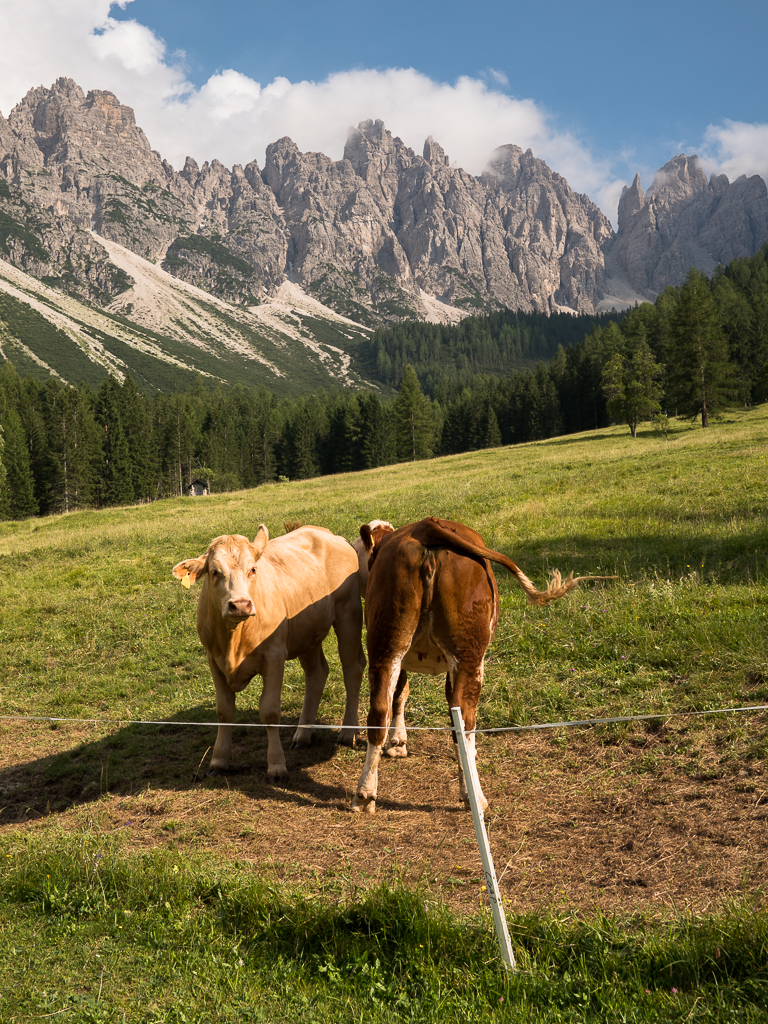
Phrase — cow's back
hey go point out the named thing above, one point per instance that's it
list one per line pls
(307, 565)
(428, 598)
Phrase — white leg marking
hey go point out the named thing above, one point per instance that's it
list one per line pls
(368, 786)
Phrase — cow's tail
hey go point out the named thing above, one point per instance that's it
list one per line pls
(556, 589)
(438, 533)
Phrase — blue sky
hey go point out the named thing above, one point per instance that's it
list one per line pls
(599, 90)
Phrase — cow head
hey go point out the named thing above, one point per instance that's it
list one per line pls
(372, 535)
(230, 565)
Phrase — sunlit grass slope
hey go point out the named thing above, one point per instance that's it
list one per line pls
(94, 625)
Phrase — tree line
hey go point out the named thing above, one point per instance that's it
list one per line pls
(697, 348)
(496, 344)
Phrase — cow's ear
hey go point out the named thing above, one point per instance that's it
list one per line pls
(366, 535)
(191, 569)
(260, 542)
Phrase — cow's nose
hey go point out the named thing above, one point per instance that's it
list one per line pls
(240, 608)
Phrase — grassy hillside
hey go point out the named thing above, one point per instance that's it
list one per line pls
(163, 895)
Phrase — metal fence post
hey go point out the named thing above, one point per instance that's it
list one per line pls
(492, 886)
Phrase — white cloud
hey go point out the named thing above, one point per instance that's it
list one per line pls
(233, 117)
(498, 77)
(736, 148)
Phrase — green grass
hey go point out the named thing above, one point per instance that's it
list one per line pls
(93, 616)
(168, 938)
(94, 626)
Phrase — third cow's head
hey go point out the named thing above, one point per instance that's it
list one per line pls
(230, 564)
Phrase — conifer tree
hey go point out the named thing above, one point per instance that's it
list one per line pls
(415, 426)
(700, 378)
(492, 436)
(116, 485)
(631, 384)
(18, 485)
(377, 428)
(136, 419)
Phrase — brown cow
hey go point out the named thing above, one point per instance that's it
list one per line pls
(266, 602)
(431, 606)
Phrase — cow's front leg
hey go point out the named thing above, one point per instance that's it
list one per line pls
(348, 629)
(315, 677)
(225, 712)
(397, 743)
(269, 712)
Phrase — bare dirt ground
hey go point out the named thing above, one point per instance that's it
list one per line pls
(644, 824)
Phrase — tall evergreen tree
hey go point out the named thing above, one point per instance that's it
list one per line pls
(699, 378)
(136, 419)
(631, 384)
(377, 428)
(415, 425)
(17, 490)
(116, 485)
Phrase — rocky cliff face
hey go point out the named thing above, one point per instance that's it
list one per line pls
(683, 220)
(368, 234)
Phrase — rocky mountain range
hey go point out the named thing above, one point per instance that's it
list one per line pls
(381, 235)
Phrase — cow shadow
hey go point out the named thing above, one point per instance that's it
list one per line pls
(167, 757)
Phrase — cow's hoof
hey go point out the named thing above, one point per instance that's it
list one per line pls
(301, 744)
(363, 804)
(482, 801)
(214, 773)
(280, 779)
(396, 750)
(348, 737)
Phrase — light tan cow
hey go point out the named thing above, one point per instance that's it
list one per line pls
(265, 603)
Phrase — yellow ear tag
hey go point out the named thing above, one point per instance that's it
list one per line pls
(186, 582)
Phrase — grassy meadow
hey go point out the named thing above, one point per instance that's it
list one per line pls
(188, 924)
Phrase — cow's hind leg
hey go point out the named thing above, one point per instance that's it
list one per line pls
(397, 743)
(379, 718)
(225, 712)
(462, 689)
(315, 677)
(348, 629)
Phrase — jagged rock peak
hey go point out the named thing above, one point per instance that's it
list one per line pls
(371, 149)
(511, 167)
(631, 201)
(684, 221)
(434, 153)
(680, 176)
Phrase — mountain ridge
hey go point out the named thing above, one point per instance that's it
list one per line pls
(381, 235)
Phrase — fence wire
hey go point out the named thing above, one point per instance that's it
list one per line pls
(659, 716)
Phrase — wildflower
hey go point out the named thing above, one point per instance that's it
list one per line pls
(674, 991)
